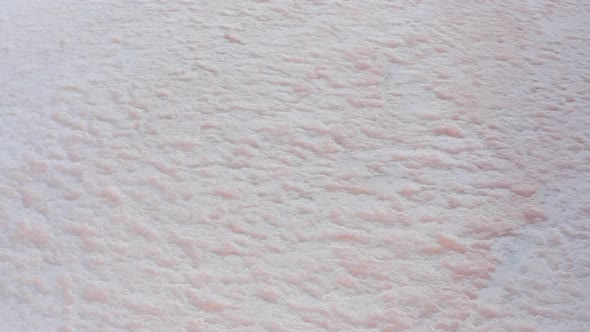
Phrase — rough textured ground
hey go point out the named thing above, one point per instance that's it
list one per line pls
(177, 165)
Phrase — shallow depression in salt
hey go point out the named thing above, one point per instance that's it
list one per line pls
(179, 165)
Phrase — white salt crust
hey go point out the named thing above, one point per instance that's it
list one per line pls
(362, 165)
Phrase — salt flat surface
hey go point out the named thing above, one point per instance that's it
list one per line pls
(362, 165)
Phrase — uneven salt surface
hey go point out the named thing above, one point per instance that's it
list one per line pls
(176, 165)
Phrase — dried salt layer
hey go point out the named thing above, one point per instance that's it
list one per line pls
(358, 165)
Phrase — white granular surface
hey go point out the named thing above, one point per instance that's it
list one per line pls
(358, 165)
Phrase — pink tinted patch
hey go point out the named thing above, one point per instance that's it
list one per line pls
(346, 237)
(268, 295)
(454, 203)
(232, 39)
(32, 233)
(143, 231)
(144, 308)
(227, 249)
(205, 303)
(391, 319)
(28, 197)
(534, 214)
(225, 193)
(195, 326)
(448, 131)
(111, 194)
(469, 269)
(95, 294)
(362, 65)
(524, 190)
(408, 191)
(450, 242)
